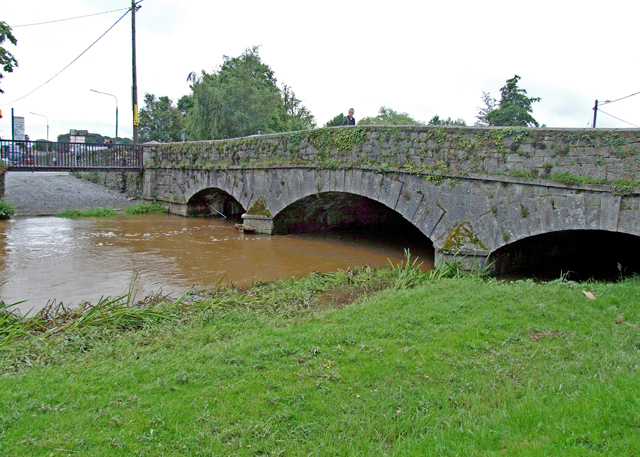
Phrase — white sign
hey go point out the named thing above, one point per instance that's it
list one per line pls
(76, 139)
(18, 128)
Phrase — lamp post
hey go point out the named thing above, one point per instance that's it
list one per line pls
(97, 91)
(47, 122)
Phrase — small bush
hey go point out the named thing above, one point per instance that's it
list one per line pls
(7, 209)
(145, 208)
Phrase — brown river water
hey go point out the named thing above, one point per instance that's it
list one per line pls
(75, 260)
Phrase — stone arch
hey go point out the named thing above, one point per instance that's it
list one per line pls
(214, 202)
(581, 253)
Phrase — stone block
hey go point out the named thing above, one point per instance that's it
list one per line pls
(353, 181)
(609, 212)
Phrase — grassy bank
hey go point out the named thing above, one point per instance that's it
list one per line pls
(448, 367)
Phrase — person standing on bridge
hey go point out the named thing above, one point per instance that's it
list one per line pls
(349, 120)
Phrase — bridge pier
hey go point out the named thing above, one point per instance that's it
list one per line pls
(469, 260)
(262, 224)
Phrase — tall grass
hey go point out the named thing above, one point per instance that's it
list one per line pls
(119, 313)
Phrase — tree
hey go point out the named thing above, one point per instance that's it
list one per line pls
(7, 60)
(160, 120)
(515, 107)
(240, 99)
(336, 121)
(387, 116)
(294, 116)
(490, 104)
(435, 120)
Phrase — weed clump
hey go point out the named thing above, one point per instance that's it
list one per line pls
(95, 212)
(145, 208)
(7, 209)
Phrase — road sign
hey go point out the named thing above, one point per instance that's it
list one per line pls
(18, 128)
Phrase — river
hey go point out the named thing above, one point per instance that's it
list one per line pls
(75, 260)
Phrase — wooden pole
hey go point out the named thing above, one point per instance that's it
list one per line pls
(134, 88)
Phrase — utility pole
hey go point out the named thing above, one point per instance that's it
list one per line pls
(595, 114)
(134, 88)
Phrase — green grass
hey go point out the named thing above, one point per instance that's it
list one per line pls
(94, 212)
(142, 208)
(145, 208)
(416, 366)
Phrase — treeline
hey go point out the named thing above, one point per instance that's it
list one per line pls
(243, 98)
(94, 138)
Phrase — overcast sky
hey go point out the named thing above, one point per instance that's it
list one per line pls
(423, 58)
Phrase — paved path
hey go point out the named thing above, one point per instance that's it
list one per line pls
(44, 194)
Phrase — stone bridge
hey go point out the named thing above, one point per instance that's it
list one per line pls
(471, 191)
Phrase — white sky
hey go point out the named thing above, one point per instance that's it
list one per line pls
(423, 58)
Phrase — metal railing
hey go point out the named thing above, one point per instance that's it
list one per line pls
(50, 156)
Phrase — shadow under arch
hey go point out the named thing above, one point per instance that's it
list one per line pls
(214, 202)
(578, 255)
(352, 216)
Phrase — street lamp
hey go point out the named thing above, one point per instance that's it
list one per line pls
(47, 122)
(97, 91)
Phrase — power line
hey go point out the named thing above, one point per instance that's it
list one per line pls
(603, 112)
(613, 101)
(67, 19)
(50, 79)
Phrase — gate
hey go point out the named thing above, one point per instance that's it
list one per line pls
(51, 156)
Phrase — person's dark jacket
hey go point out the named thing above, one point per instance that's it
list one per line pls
(347, 121)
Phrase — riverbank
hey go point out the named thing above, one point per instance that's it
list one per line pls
(357, 362)
(46, 194)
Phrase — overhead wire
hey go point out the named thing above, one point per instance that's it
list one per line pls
(71, 63)
(621, 120)
(606, 102)
(68, 19)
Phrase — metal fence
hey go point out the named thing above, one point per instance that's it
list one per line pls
(50, 156)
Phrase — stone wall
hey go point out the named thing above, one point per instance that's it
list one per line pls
(569, 156)
(128, 183)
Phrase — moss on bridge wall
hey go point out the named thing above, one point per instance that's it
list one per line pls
(569, 156)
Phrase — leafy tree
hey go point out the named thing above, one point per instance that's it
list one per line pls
(490, 104)
(387, 116)
(435, 120)
(185, 104)
(336, 121)
(160, 120)
(7, 60)
(240, 99)
(295, 116)
(515, 107)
